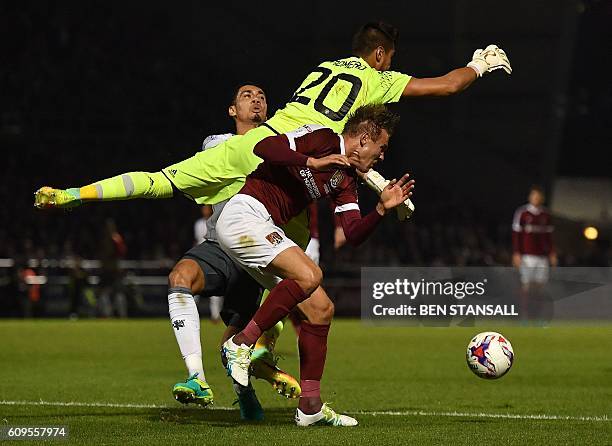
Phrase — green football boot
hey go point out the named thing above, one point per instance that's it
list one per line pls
(193, 390)
(263, 366)
(48, 198)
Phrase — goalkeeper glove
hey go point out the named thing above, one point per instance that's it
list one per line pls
(377, 183)
(490, 59)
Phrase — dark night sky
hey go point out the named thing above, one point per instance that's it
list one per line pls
(92, 89)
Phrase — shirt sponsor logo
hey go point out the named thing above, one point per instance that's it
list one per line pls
(310, 183)
(274, 238)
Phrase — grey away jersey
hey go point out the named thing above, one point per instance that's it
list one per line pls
(211, 223)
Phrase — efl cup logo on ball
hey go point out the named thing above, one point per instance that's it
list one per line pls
(489, 355)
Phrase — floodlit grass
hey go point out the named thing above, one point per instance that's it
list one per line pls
(405, 385)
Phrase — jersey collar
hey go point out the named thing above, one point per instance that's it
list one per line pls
(342, 147)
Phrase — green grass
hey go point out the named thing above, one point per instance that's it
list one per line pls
(564, 370)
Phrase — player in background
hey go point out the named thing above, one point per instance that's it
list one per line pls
(533, 250)
(206, 270)
(326, 97)
(300, 167)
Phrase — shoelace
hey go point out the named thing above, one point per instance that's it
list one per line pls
(242, 357)
(194, 376)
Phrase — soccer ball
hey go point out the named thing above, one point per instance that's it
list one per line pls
(489, 355)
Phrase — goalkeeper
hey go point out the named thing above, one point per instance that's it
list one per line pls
(326, 97)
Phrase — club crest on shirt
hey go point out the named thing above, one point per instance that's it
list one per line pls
(336, 179)
(274, 238)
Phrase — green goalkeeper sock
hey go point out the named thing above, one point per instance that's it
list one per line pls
(128, 186)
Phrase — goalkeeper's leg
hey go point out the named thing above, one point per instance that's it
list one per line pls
(126, 186)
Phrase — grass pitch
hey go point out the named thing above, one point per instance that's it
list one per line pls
(110, 382)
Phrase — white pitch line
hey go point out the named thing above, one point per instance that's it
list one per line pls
(484, 415)
(96, 404)
(408, 413)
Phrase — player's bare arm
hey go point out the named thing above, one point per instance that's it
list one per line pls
(451, 83)
(483, 61)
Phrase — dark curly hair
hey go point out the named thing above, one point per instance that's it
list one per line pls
(371, 119)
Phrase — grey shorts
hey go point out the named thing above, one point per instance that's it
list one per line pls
(224, 277)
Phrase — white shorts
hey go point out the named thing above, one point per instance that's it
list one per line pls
(534, 269)
(247, 233)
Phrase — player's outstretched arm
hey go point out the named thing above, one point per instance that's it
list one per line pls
(451, 83)
(483, 61)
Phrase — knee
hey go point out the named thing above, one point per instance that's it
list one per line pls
(326, 312)
(311, 279)
(180, 277)
(318, 309)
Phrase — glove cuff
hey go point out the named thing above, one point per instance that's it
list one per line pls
(375, 181)
(479, 66)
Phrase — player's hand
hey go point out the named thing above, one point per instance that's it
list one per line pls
(490, 59)
(516, 260)
(328, 162)
(395, 193)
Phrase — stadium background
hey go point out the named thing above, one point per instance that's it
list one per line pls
(92, 90)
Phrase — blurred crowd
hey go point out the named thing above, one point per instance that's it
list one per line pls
(78, 105)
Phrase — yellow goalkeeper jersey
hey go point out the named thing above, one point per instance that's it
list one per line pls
(333, 90)
(326, 97)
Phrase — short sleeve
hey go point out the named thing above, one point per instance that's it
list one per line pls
(214, 140)
(386, 86)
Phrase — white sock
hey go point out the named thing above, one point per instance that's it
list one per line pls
(216, 303)
(186, 326)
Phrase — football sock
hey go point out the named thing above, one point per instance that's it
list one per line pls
(313, 351)
(295, 321)
(186, 326)
(127, 186)
(268, 339)
(283, 298)
(216, 304)
(310, 388)
(241, 389)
